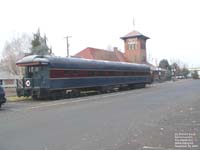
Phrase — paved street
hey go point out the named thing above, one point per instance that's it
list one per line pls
(163, 116)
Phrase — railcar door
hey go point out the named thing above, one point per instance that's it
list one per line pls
(40, 76)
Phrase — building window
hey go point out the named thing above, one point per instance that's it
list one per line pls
(1, 82)
(132, 44)
(9, 82)
(143, 45)
(129, 47)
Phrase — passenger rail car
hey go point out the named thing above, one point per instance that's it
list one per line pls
(55, 77)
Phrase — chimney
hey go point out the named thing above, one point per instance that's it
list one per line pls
(115, 49)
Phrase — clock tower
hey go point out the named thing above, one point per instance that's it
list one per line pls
(135, 47)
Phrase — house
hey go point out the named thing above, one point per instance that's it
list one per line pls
(7, 80)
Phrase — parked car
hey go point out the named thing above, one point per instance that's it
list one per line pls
(180, 77)
(2, 96)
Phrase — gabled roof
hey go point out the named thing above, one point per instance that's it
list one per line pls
(121, 56)
(134, 34)
(100, 54)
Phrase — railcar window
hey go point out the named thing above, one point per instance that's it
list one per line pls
(41, 68)
(124, 74)
(95, 73)
(129, 73)
(111, 73)
(82, 73)
(99, 73)
(30, 71)
(71, 73)
(75, 73)
(91, 73)
(66, 72)
(35, 69)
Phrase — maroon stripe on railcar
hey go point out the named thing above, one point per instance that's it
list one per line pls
(58, 73)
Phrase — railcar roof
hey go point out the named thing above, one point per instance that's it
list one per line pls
(78, 63)
(33, 60)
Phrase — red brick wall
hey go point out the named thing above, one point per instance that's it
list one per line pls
(138, 55)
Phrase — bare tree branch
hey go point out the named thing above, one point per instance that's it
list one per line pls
(13, 51)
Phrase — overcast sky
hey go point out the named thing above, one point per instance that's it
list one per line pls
(172, 25)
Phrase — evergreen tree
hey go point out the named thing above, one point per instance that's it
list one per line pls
(164, 64)
(39, 45)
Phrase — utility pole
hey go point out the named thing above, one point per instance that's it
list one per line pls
(67, 37)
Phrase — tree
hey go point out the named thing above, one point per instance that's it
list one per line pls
(39, 45)
(175, 68)
(164, 64)
(184, 71)
(13, 51)
(195, 75)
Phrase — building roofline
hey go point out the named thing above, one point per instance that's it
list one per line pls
(134, 34)
(142, 36)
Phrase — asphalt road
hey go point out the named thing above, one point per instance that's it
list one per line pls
(160, 117)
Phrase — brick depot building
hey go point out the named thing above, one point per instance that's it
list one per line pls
(134, 50)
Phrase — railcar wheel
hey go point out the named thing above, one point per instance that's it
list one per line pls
(35, 97)
(62, 94)
(52, 96)
(74, 94)
(140, 86)
(131, 86)
(56, 95)
(98, 92)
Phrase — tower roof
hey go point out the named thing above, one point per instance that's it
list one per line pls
(133, 34)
